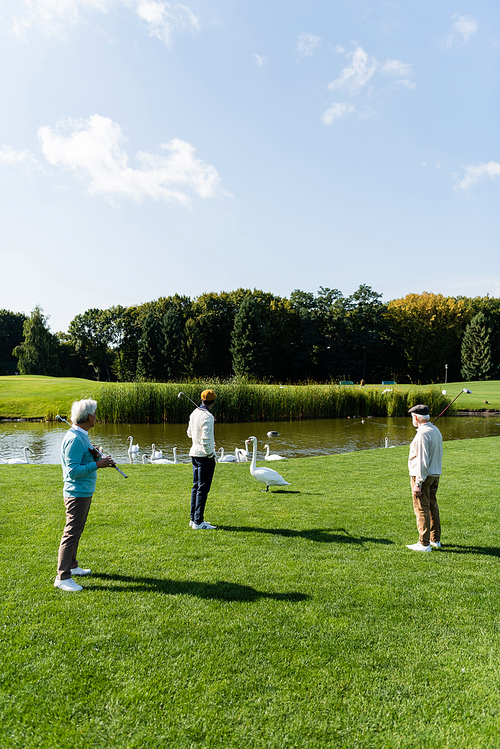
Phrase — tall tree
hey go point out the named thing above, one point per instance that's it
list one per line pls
(151, 360)
(38, 352)
(93, 335)
(425, 333)
(477, 354)
(11, 335)
(250, 339)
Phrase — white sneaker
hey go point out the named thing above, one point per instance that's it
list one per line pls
(436, 544)
(80, 571)
(419, 547)
(191, 523)
(202, 526)
(69, 585)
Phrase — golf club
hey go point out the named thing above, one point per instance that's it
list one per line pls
(464, 390)
(60, 418)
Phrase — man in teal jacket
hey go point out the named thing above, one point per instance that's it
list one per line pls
(80, 461)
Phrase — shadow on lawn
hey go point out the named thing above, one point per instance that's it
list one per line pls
(491, 551)
(221, 590)
(323, 535)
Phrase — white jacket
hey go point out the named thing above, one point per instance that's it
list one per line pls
(426, 453)
(201, 431)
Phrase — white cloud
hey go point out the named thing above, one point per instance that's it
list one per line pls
(396, 67)
(9, 155)
(261, 61)
(474, 173)
(94, 151)
(307, 44)
(462, 28)
(337, 111)
(163, 19)
(354, 77)
(55, 17)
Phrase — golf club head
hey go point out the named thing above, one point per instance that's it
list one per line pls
(466, 391)
(181, 393)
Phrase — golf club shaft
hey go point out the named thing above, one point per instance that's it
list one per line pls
(447, 407)
(60, 418)
(189, 399)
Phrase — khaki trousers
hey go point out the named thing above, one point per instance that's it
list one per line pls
(77, 510)
(427, 511)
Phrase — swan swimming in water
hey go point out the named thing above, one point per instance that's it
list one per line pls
(226, 458)
(156, 454)
(165, 461)
(19, 461)
(132, 449)
(265, 475)
(272, 456)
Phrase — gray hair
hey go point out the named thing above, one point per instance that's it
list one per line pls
(81, 410)
(423, 418)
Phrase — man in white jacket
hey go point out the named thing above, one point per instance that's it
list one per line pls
(202, 452)
(424, 465)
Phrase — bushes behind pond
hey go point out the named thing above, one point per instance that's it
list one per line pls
(156, 403)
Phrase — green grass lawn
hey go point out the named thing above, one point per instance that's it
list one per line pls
(303, 621)
(36, 396)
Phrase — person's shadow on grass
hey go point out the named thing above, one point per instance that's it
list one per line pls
(321, 535)
(491, 551)
(221, 590)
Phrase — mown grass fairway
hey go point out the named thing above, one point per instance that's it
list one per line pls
(37, 396)
(302, 622)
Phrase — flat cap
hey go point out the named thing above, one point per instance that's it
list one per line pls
(208, 395)
(420, 410)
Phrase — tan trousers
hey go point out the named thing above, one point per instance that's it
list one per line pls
(427, 511)
(77, 510)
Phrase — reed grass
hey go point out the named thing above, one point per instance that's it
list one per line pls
(156, 403)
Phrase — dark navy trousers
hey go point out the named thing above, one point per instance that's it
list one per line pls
(203, 472)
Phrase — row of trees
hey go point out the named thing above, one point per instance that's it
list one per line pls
(263, 337)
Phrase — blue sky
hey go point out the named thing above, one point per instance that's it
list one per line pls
(149, 148)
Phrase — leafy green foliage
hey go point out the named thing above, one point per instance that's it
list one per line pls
(38, 352)
(477, 358)
(11, 335)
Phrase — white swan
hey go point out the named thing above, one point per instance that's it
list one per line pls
(242, 456)
(18, 461)
(156, 454)
(165, 461)
(273, 456)
(132, 449)
(265, 475)
(226, 458)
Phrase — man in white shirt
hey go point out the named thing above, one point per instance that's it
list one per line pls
(202, 452)
(424, 465)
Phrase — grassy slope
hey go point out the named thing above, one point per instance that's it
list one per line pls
(35, 396)
(303, 622)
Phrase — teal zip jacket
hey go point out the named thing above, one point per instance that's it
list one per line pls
(79, 467)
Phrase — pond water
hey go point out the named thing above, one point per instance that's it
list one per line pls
(295, 439)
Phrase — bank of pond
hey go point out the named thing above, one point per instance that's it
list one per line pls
(157, 403)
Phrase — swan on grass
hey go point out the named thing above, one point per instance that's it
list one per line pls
(272, 456)
(226, 458)
(19, 461)
(132, 449)
(265, 475)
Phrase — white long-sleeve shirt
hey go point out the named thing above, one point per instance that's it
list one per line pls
(426, 453)
(201, 431)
